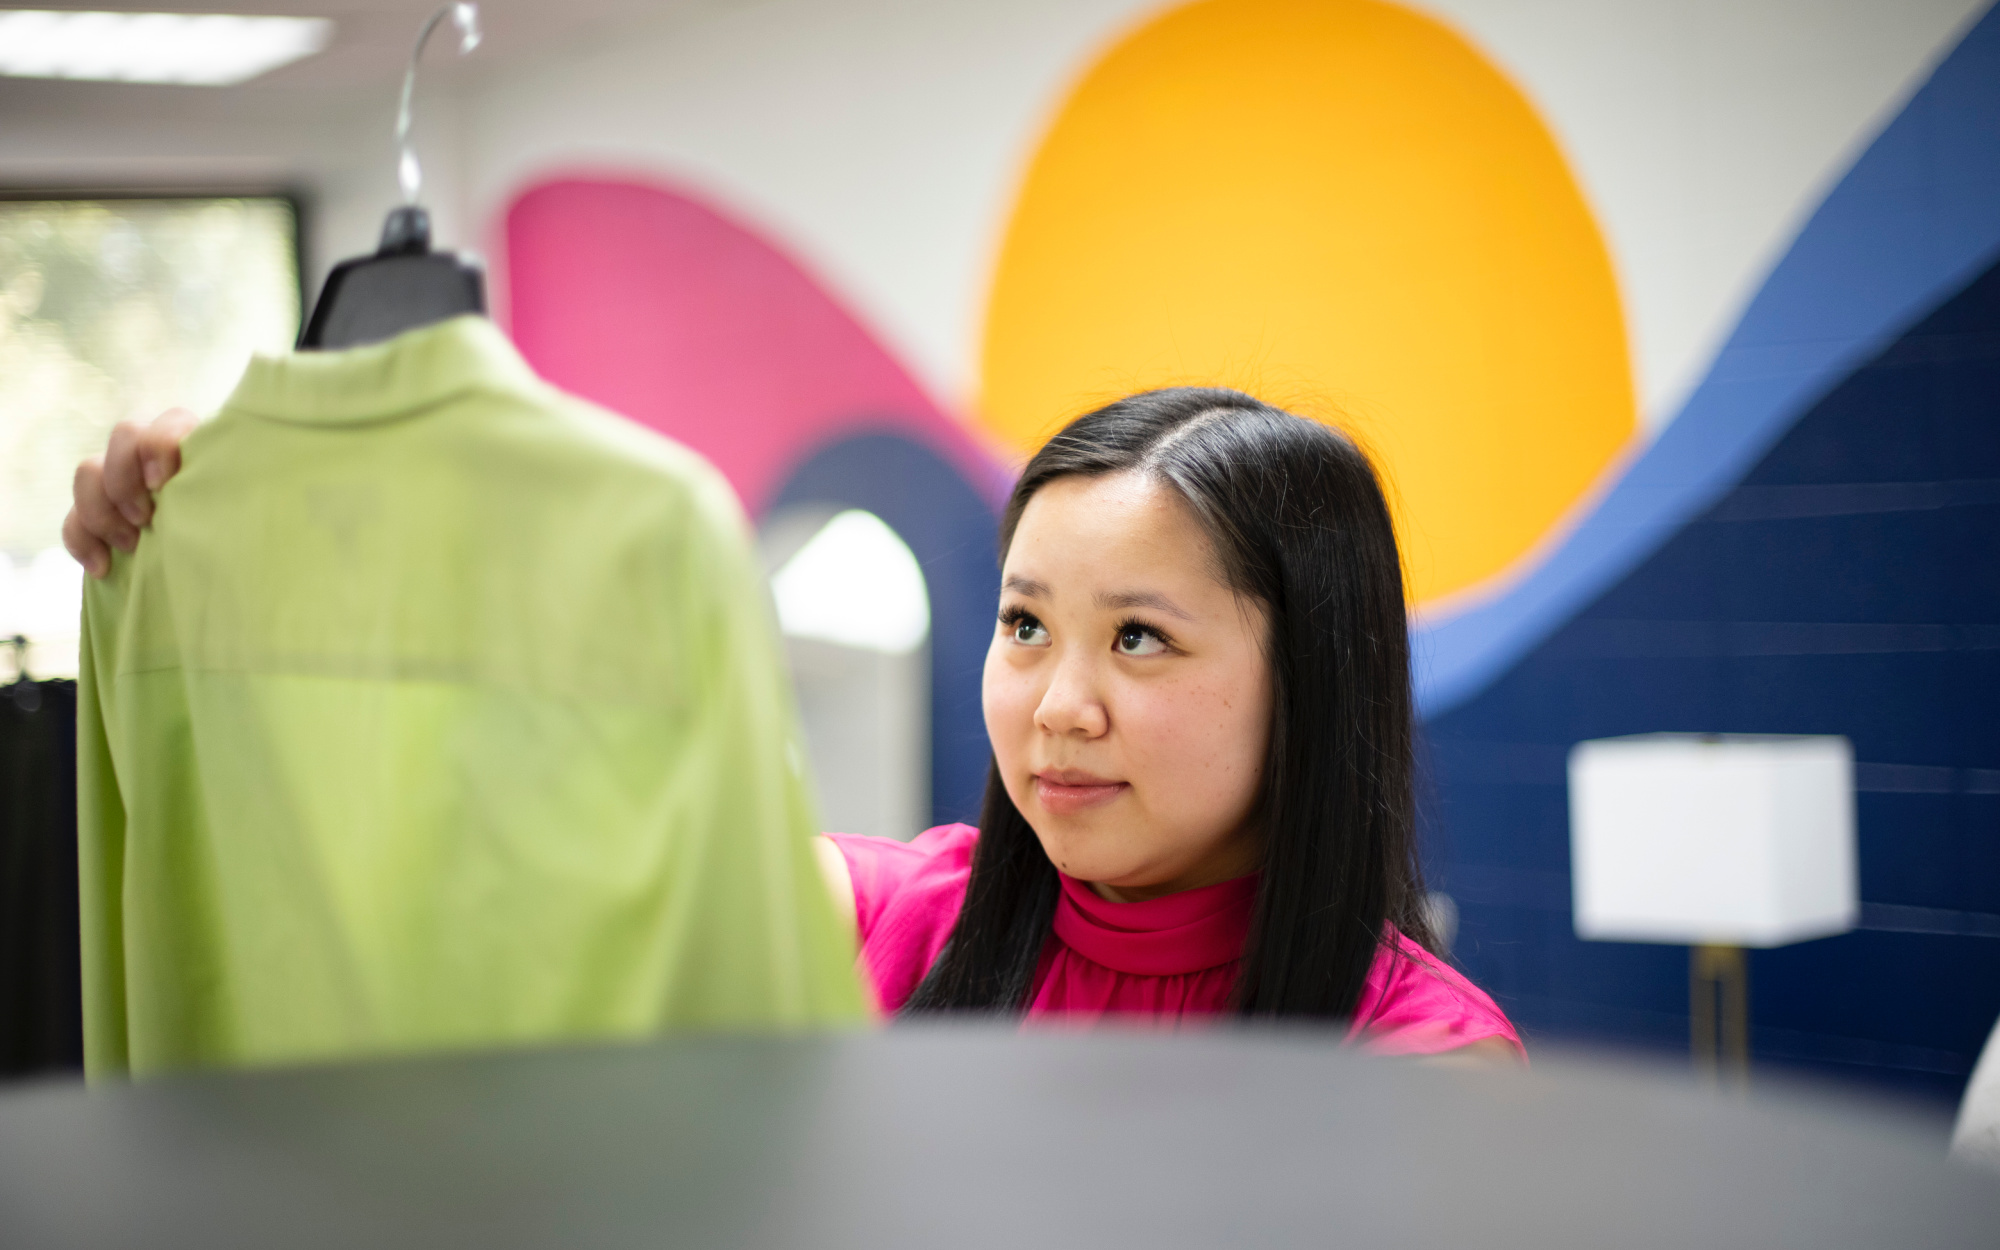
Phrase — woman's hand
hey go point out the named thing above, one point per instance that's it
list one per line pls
(114, 492)
(1487, 1052)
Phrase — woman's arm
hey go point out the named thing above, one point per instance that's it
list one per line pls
(113, 493)
(839, 882)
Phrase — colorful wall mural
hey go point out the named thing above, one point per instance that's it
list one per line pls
(1353, 208)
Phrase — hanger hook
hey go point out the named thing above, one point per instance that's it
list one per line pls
(466, 15)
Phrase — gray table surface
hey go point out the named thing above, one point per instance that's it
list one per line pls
(969, 1137)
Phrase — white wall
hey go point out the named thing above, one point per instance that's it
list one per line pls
(866, 719)
(880, 140)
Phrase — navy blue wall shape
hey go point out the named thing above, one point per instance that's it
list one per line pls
(952, 532)
(1913, 221)
(1850, 584)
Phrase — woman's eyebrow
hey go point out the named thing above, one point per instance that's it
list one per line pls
(1026, 586)
(1140, 599)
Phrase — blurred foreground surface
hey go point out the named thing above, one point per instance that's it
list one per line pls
(961, 1136)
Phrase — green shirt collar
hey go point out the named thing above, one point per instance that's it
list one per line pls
(412, 371)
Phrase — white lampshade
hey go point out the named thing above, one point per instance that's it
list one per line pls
(1715, 839)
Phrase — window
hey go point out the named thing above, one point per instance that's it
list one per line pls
(113, 309)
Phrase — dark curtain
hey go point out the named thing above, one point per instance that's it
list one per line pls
(41, 995)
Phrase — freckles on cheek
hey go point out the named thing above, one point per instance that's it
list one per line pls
(1197, 734)
(1172, 737)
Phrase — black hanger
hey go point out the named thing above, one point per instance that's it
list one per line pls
(404, 284)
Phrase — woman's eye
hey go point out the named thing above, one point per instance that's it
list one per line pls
(1138, 640)
(1029, 632)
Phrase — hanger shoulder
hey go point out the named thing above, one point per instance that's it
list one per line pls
(373, 298)
(402, 286)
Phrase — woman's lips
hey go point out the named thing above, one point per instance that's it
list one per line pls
(1063, 793)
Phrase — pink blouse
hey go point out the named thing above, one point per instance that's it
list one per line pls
(1167, 958)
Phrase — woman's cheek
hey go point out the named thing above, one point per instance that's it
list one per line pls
(1007, 697)
(1240, 740)
(1195, 747)
(1010, 730)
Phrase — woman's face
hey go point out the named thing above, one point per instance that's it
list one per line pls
(1127, 693)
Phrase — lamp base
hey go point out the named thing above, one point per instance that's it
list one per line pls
(1719, 1015)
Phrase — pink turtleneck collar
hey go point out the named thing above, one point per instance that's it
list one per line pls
(1162, 959)
(1176, 933)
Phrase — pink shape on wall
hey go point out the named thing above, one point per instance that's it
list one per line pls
(656, 306)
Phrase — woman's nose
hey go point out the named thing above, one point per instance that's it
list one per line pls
(1071, 704)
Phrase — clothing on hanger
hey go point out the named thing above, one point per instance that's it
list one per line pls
(41, 1016)
(439, 709)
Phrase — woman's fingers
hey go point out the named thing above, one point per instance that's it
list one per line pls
(160, 446)
(83, 545)
(124, 482)
(94, 508)
(93, 521)
(114, 492)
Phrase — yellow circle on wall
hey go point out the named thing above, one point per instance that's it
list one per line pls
(1342, 207)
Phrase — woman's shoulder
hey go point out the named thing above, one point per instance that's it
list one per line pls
(906, 900)
(884, 868)
(938, 843)
(1414, 1003)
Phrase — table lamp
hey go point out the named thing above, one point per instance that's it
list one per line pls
(1718, 841)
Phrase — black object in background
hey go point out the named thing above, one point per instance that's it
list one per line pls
(41, 990)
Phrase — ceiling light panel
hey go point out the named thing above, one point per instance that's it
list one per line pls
(200, 49)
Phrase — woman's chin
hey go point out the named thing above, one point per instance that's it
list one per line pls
(1086, 846)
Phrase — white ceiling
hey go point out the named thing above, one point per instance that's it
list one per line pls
(371, 44)
(321, 125)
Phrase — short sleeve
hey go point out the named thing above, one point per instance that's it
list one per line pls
(1415, 1004)
(906, 900)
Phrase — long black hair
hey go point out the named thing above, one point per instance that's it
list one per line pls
(1299, 524)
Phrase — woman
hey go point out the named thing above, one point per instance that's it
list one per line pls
(1198, 697)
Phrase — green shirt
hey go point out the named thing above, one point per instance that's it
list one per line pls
(438, 709)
